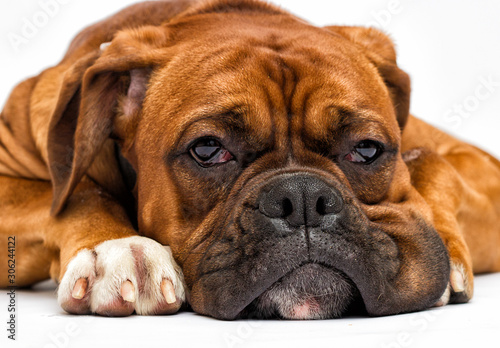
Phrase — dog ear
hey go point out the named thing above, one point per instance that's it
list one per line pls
(100, 98)
(380, 50)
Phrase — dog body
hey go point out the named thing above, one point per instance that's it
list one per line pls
(277, 160)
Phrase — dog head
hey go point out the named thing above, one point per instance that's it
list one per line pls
(267, 155)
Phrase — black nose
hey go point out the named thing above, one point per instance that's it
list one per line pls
(301, 199)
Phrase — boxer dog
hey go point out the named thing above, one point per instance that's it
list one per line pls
(231, 156)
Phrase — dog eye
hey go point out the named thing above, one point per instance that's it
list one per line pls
(365, 152)
(209, 152)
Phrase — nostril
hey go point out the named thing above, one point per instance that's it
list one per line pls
(329, 204)
(321, 206)
(287, 207)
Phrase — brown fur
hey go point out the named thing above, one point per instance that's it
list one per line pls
(57, 135)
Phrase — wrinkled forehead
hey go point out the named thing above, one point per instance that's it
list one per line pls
(263, 69)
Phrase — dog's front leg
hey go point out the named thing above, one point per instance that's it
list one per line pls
(446, 194)
(102, 264)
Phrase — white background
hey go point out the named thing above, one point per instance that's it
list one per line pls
(448, 47)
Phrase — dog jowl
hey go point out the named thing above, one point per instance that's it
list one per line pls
(230, 155)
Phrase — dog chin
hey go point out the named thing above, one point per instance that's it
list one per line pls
(311, 291)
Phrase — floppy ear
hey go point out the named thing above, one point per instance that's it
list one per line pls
(380, 50)
(102, 101)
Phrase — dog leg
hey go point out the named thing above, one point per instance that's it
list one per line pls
(442, 187)
(103, 266)
(23, 221)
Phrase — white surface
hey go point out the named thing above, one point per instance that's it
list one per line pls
(448, 48)
(42, 324)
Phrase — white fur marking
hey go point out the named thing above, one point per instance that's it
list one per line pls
(113, 263)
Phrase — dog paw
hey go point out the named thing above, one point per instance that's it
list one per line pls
(460, 286)
(121, 276)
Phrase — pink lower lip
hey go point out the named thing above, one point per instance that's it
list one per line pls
(305, 310)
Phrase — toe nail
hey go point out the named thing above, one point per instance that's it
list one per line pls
(127, 291)
(168, 291)
(457, 281)
(79, 289)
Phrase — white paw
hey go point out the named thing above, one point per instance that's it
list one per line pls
(121, 276)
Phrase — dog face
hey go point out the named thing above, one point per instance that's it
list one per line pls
(267, 157)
